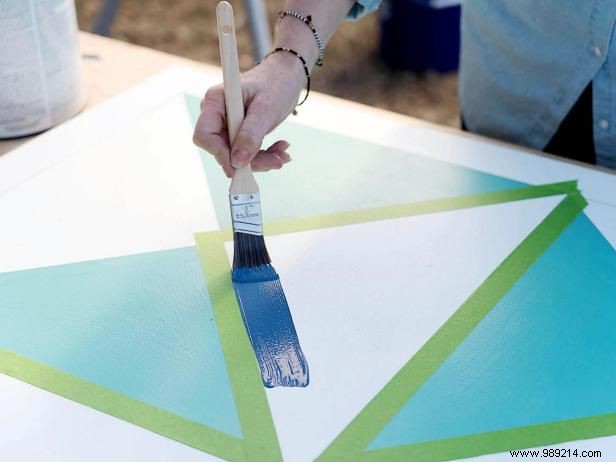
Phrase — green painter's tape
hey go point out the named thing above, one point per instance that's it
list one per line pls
(141, 325)
(360, 175)
(260, 438)
(555, 322)
(211, 246)
(415, 208)
(351, 443)
(260, 442)
(121, 406)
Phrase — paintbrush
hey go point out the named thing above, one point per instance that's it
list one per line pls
(262, 302)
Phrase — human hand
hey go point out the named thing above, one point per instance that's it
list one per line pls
(270, 92)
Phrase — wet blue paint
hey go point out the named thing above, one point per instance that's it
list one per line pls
(545, 353)
(267, 318)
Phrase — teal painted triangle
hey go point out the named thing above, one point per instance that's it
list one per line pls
(327, 168)
(141, 325)
(545, 353)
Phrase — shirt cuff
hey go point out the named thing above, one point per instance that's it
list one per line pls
(362, 8)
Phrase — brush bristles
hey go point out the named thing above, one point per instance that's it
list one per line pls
(249, 251)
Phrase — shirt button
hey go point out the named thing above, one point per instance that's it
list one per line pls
(603, 124)
(595, 50)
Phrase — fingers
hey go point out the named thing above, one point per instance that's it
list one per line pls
(211, 133)
(250, 135)
(271, 159)
(211, 128)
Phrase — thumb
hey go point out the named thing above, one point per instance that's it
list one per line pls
(249, 138)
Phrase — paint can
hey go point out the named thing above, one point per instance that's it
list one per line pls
(41, 81)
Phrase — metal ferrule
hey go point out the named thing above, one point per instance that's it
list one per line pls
(246, 213)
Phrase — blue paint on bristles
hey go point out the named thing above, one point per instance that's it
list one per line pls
(270, 326)
(264, 307)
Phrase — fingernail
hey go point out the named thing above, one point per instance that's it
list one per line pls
(240, 158)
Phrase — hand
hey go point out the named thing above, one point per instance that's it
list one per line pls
(270, 92)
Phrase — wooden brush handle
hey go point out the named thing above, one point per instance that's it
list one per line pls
(243, 180)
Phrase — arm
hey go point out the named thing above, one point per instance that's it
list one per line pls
(326, 15)
(270, 91)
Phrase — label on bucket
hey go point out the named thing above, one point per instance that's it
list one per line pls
(40, 70)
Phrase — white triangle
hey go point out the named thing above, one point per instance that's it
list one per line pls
(139, 189)
(38, 425)
(366, 297)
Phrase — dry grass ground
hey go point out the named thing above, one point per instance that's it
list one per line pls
(353, 69)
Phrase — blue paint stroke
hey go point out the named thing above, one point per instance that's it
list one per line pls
(267, 318)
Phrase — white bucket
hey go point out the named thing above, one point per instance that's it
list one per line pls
(41, 82)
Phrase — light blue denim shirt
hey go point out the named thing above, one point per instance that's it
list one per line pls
(524, 63)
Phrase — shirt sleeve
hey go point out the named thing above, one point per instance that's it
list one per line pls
(363, 7)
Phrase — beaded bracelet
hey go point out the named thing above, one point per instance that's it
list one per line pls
(306, 71)
(308, 21)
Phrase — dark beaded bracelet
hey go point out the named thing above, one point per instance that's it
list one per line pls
(306, 70)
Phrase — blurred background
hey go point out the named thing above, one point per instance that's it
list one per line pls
(354, 67)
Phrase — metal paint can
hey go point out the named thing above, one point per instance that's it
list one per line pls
(41, 81)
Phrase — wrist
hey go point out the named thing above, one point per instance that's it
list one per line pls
(281, 64)
(296, 35)
(289, 65)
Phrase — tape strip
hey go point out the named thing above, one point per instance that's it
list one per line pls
(260, 441)
(415, 208)
(351, 443)
(120, 406)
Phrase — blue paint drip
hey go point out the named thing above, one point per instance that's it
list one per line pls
(267, 318)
